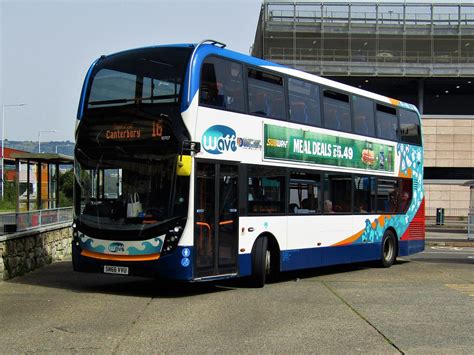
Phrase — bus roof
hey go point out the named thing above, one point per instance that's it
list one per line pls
(209, 49)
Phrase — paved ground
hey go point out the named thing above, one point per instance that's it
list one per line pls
(449, 239)
(423, 304)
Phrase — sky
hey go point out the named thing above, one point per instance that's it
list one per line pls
(46, 48)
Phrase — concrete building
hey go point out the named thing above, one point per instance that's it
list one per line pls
(420, 52)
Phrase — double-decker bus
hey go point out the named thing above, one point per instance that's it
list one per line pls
(194, 162)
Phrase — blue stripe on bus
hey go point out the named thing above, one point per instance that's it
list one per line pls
(245, 264)
(201, 54)
(80, 111)
(315, 257)
(407, 247)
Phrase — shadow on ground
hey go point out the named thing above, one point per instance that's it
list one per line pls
(61, 276)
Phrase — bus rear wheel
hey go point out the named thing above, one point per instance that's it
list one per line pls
(261, 261)
(388, 250)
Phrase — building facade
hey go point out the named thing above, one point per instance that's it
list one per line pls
(421, 52)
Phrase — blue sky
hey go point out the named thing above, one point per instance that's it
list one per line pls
(47, 47)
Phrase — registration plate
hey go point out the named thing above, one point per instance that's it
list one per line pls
(120, 270)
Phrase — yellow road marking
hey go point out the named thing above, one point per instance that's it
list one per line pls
(467, 289)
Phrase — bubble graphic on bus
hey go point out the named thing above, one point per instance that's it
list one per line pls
(219, 139)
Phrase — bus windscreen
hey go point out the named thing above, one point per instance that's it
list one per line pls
(148, 76)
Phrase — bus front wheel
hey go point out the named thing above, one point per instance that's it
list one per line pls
(260, 262)
(389, 249)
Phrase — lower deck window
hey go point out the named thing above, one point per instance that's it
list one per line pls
(364, 194)
(266, 190)
(304, 193)
(387, 195)
(337, 193)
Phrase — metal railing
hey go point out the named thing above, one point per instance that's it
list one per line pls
(395, 13)
(470, 226)
(448, 212)
(440, 34)
(34, 219)
(368, 56)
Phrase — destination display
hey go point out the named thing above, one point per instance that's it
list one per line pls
(113, 131)
(284, 143)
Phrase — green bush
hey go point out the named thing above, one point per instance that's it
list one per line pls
(9, 197)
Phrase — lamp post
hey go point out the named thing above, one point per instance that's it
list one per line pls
(39, 137)
(3, 140)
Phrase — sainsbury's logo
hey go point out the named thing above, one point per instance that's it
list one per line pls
(219, 139)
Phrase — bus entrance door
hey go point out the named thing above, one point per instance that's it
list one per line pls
(216, 219)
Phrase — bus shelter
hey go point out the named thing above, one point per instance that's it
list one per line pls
(37, 184)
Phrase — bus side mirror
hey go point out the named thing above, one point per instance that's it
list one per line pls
(183, 167)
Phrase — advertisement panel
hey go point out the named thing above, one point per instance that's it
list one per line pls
(282, 143)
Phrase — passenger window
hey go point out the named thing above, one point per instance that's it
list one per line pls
(387, 125)
(363, 116)
(406, 193)
(410, 131)
(266, 94)
(337, 113)
(387, 195)
(304, 102)
(222, 84)
(266, 190)
(305, 193)
(337, 193)
(364, 194)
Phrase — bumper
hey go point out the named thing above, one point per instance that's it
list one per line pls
(174, 266)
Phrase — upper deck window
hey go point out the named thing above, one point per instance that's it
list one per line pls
(410, 131)
(305, 106)
(337, 113)
(387, 124)
(266, 94)
(222, 85)
(363, 116)
(144, 76)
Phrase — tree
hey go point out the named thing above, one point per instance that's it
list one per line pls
(66, 186)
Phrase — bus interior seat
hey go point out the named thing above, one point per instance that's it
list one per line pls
(210, 94)
(345, 122)
(293, 208)
(277, 107)
(361, 125)
(299, 113)
(260, 104)
(233, 97)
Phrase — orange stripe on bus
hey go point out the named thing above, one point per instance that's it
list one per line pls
(409, 174)
(101, 256)
(394, 102)
(349, 240)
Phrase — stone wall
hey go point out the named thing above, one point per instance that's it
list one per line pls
(26, 251)
(449, 142)
(453, 198)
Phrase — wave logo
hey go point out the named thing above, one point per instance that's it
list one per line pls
(219, 139)
(116, 247)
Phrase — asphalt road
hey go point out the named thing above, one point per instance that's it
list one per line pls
(446, 254)
(423, 304)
